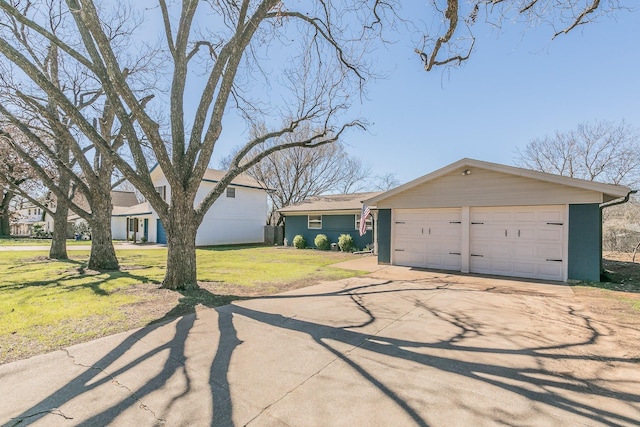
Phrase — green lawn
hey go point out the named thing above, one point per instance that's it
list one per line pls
(49, 304)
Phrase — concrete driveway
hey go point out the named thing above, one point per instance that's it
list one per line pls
(398, 347)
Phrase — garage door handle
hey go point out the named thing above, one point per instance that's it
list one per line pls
(555, 223)
(554, 260)
(477, 223)
(481, 256)
(455, 222)
(454, 253)
(399, 250)
(399, 222)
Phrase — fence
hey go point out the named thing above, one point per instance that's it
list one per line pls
(274, 235)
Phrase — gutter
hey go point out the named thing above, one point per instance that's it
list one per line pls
(625, 199)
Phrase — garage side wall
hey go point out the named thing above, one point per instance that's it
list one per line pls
(384, 236)
(585, 242)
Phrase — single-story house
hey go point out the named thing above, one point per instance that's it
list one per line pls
(479, 217)
(331, 215)
(237, 217)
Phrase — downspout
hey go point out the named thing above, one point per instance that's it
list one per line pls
(625, 199)
(616, 202)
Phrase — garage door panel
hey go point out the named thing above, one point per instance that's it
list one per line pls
(425, 238)
(518, 241)
(551, 235)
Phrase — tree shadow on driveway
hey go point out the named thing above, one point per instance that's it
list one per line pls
(455, 345)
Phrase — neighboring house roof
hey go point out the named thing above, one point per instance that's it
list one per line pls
(120, 201)
(215, 175)
(123, 198)
(139, 209)
(609, 191)
(331, 202)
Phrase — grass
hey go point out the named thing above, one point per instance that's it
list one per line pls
(48, 304)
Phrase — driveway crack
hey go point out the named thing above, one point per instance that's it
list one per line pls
(54, 411)
(117, 383)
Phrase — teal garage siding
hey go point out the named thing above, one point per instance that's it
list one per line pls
(383, 227)
(332, 226)
(585, 237)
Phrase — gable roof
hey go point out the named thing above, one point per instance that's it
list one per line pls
(123, 198)
(330, 202)
(610, 191)
(215, 175)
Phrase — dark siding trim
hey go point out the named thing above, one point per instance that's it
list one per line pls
(384, 236)
(585, 242)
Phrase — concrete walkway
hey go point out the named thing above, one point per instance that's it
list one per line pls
(87, 247)
(398, 347)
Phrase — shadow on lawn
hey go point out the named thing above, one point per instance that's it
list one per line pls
(512, 367)
(89, 279)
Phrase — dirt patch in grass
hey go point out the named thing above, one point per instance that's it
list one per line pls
(621, 271)
(616, 299)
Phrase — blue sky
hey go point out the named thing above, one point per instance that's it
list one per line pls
(516, 87)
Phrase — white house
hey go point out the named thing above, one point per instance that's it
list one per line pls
(121, 201)
(25, 218)
(238, 216)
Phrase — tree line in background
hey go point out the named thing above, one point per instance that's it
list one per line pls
(86, 99)
(600, 151)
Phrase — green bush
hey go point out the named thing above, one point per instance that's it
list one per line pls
(299, 242)
(322, 242)
(345, 242)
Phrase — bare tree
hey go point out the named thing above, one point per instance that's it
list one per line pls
(58, 152)
(15, 176)
(598, 151)
(296, 174)
(451, 41)
(219, 59)
(385, 182)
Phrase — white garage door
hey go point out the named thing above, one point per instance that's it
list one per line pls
(428, 238)
(518, 241)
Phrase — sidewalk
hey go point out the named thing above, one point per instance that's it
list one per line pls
(87, 247)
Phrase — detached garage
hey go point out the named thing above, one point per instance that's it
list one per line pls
(481, 217)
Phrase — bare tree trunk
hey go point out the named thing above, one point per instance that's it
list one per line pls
(181, 245)
(58, 248)
(5, 227)
(103, 254)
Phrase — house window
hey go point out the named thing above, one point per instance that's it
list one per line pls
(314, 221)
(368, 222)
(162, 191)
(133, 225)
(231, 193)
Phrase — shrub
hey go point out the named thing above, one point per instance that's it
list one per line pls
(82, 230)
(345, 242)
(299, 242)
(322, 242)
(143, 239)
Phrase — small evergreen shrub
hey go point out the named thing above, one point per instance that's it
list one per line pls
(322, 242)
(299, 242)
(345, 242)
